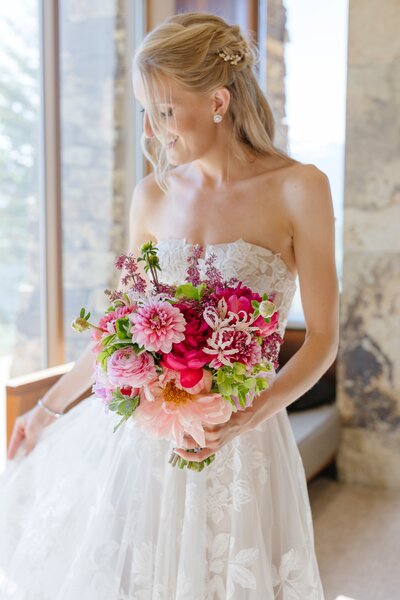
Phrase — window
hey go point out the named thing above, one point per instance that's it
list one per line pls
(315, 63)
(94, 162)
(95, 143)
(20, 161)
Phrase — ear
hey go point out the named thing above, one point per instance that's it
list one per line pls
(221, 98)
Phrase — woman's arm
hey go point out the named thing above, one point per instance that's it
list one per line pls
(74, 383)
(311, 211)
(313, 232)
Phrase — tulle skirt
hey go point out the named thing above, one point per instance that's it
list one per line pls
(94, 515)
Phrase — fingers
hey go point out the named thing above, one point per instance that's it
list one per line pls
(17, 436)
(189, 442)
(194, 456)
(30, 443)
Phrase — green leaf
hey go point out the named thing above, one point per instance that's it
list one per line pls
(121, 326)
(82, 313)
(186, 290)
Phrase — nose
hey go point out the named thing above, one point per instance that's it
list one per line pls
(148, 132)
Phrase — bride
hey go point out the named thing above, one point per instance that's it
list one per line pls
(92, 515)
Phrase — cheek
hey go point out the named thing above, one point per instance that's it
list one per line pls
(196, 133)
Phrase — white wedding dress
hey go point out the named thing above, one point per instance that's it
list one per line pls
(94, 515)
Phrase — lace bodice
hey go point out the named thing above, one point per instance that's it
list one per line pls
(256, 266)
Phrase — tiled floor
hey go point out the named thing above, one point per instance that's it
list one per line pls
(357, 539)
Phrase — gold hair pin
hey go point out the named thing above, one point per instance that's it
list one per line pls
(234, 59)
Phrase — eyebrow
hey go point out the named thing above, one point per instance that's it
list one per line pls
(158, 103)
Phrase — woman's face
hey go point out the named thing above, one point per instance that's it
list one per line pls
(188, 130)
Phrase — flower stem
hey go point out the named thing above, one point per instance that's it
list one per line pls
(175, 459)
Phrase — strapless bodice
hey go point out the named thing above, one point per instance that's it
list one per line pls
(258, 267)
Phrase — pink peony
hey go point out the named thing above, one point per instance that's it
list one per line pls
(125, 367)
(239, 298)
(187, 356)
(157, 325)
(168, 411)
(267, 328)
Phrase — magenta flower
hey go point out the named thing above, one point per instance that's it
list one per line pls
(125, 367)
(157, 325)
(232, 338)
(229, 345)
(167, 411)
(267, 329)
(187, 356)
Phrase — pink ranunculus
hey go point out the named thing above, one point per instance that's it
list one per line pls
(125, 367)
(107, 325)
(267, 328)
(157, 325)
(167, 411)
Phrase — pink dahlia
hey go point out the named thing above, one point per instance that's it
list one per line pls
(167, 411)
(125, 367)
(157, 325)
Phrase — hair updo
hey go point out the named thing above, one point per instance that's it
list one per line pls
(201, 53)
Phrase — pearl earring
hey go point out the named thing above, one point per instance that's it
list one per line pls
(217, 118)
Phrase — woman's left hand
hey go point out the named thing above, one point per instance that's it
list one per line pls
(216, 436)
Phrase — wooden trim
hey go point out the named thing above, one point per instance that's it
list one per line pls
(23, 392)
(252, 17)
(50, 188)
(158, 11)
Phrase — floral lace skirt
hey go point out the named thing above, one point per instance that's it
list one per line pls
(94, 515)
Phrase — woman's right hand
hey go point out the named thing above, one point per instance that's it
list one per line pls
(27, 427)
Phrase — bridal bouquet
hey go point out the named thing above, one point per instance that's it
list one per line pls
(178, 357)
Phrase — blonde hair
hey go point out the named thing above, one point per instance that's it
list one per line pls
(201, 52)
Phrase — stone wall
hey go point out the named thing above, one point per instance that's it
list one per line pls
(277, 36)
(368, 362)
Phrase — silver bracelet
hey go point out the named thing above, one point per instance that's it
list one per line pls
(49, 411)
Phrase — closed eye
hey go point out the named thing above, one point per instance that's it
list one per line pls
(168, 113)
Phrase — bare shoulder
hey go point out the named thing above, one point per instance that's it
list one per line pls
(145, 199)
(303, 181)
(147, 192)
(306, 189)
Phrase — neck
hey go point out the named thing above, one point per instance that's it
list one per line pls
(224, 163)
